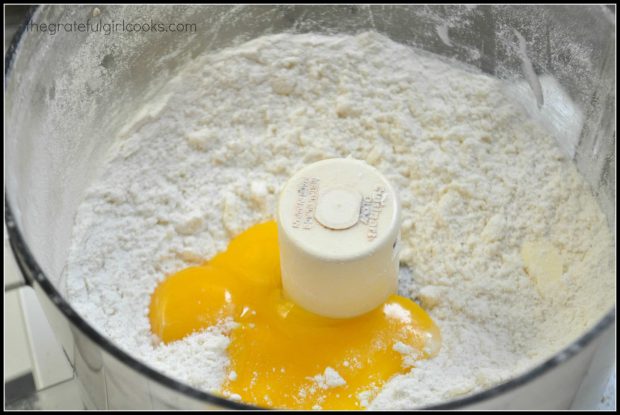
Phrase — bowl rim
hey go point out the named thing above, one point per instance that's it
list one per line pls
(33, 273)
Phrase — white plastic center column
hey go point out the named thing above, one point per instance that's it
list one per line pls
(338, 229)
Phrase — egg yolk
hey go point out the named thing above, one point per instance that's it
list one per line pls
(282, 356)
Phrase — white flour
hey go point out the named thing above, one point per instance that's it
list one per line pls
(476, 177)
(329, 379)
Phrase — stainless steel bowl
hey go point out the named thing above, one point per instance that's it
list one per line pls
(67, 95)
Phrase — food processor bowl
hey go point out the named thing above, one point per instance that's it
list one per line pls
(69, 93)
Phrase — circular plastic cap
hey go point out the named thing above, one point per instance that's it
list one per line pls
(338, 228)
(338, 208)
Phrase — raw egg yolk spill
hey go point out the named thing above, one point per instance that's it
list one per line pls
(282, 356)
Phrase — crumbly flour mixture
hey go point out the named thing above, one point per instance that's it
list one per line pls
(477, 179)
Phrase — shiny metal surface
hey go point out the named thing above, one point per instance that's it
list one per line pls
(69, 94)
